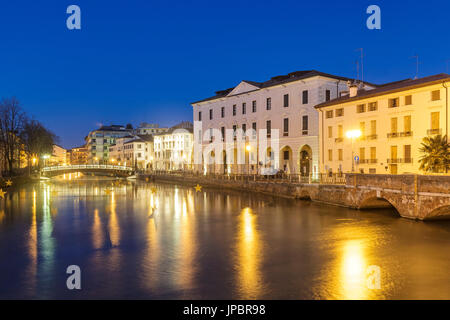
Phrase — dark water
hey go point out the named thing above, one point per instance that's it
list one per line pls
(138, 240)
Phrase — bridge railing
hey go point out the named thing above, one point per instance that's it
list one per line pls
(87, 166)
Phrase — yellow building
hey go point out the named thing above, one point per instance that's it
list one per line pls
(381, 130)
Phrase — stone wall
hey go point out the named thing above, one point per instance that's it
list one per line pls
(413, 196)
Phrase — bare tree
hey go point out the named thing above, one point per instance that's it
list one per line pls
(37, 140)
(12, 119)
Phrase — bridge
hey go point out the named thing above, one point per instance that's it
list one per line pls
(421, 197)
(94, 169)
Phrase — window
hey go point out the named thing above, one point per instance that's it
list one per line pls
(435, 120)
(210, 134)
(222, 112)
(393, 103)
(373, 153)
(362, 154)
(244, 107)
(304, 125)
(234, 109)
(286, 100)
(340, 154)
(372, 106)
(407, 153)
(210, 114)
(234, 132)
(286, 155)
(327, 95)
(408, 100)
(330, 155)
(222, 130)
(360, 108)
(268, 128)
(305, 97)
(340, 131)
(373, 127)
(268, 103)
(435, 95)
(339, 112)
(362, 128)
(330, 132)
(329, 114)
(254, 106)
(407, 124)
(254, 129)
(393, 125)
(286, 127)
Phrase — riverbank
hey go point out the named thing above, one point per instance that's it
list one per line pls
(412, 196)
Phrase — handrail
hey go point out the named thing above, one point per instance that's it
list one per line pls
(87, 166)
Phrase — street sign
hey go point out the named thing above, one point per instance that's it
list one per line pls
(356, 158)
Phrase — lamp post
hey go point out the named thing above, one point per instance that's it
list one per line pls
(353, 134)
(248, 148)
(45, 157)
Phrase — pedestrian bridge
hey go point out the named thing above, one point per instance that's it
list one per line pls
(89, 169)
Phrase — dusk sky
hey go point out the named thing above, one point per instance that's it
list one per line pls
(136, 61)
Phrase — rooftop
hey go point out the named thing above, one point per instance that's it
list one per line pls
(389, 88)
(277, 80)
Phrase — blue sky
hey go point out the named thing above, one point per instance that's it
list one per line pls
(136, 61)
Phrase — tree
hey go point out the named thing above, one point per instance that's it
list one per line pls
(436, 154)
(12, 119)
(37, 140)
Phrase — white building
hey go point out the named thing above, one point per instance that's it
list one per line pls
(133, 151)
(285, 103)
(173, 150)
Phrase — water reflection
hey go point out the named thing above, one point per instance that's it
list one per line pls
(141, 240)
(250, 256)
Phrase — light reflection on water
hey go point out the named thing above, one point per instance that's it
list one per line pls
(143, 240)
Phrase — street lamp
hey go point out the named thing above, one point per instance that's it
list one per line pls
(45, 157)
(353, 134)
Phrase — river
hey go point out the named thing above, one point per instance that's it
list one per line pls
(137, 240)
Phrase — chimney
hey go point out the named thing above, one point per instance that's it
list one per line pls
(353, 89)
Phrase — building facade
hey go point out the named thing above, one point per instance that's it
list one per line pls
(285, 103)
(391, 122)
(138, 152)
(77, 155)
(173, 150)
(99, 141)
(58, 157)
(149, 129)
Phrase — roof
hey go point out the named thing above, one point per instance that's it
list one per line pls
(113, 127)
(389, 88)
(282, 79)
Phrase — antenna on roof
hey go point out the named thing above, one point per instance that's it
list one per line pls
(362, 64)
(417, 66)
(357, 70)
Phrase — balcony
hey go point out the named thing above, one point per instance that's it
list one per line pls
(368, 161)
(305, 132)
(372, 137)
(400, 160)
(337, 140)
(399, 134)
(431, 132)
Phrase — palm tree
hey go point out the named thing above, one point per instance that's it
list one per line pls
(436, 154)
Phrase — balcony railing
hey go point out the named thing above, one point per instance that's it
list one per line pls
(400, 134)
(372, 137)
(434, 131)
(368, 161)
(400, 160)
(338, 140)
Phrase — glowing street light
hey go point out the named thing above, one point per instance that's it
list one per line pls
(353, 134)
